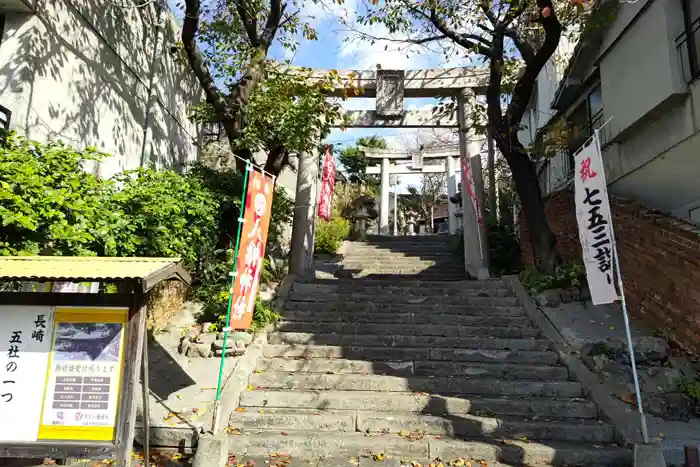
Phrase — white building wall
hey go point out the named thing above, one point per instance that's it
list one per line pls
(81, 72)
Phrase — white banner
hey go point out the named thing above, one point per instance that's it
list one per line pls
(595, 222)
(26, 333)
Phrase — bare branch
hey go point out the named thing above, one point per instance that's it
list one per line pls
(468, 41)
(289, 18)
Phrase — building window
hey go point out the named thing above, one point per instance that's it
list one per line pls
(688, 43)
(584, 120)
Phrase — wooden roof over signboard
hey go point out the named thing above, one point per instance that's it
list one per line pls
(149, 271)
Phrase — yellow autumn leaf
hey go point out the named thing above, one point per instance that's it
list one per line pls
(404, 433)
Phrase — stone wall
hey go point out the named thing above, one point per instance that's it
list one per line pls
(660, 261)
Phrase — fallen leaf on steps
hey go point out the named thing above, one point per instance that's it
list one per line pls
(240, 409)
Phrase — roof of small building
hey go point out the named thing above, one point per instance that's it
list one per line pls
(150, 271)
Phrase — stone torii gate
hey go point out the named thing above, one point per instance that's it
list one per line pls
(390, 87)
(448, 165)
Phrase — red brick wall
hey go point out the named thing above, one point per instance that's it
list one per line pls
(660, 262)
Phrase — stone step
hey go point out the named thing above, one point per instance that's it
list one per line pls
(402, 295)
(419, 368)
(308, 445)
(519, 332)
(378, 254)
(373, 298)
(407, 270)
(577, 430)
(428, 404)
(405, 310)
(428, 342)
(407, 354)
(397, 317)
(358, 285)
(415, 291)
(380, 275)
(521, 388)
(369, 263)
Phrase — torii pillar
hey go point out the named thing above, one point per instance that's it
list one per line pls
(476, 250)
(384, 189)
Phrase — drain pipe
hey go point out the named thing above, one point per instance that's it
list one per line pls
(151, 80)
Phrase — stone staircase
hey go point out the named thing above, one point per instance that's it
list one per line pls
(422, 257)
(416, 370)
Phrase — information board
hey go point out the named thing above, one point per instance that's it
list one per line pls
(77, 370)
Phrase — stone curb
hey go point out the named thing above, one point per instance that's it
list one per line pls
(626, 424)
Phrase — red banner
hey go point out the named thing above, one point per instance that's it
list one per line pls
(325, 201)
(468, 181)
(251, 248)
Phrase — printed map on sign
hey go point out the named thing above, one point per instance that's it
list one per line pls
(251, 249)
(84, 374)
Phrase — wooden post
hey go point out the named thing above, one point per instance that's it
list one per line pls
(146, 411)
(135, 330)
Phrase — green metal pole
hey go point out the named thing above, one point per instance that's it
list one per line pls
(233, 282)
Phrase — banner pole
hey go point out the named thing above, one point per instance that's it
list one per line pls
(222, 365)
(630, 345)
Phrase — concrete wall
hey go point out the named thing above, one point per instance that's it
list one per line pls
(82, 71)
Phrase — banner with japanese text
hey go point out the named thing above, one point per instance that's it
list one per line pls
(468, 181)
(594, 222)
(325, 202)
(251, 248)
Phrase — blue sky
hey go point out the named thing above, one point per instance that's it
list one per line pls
(333, 24)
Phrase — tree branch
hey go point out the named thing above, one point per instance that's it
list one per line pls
(249, 22)
(194, 57)
(273, 22)
(525, 49)
(493, 91)
(525, 84)
(468, 41)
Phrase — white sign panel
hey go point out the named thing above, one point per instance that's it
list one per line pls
(595, 223)
(25, 342)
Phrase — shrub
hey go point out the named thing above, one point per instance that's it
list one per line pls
(504, 250)
(49, 203)
(169, 214)
(565, 276)
(330, 235)
(47, 200)
(215, 309)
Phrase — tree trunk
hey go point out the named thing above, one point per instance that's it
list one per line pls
(491, 164)
(543, 240)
